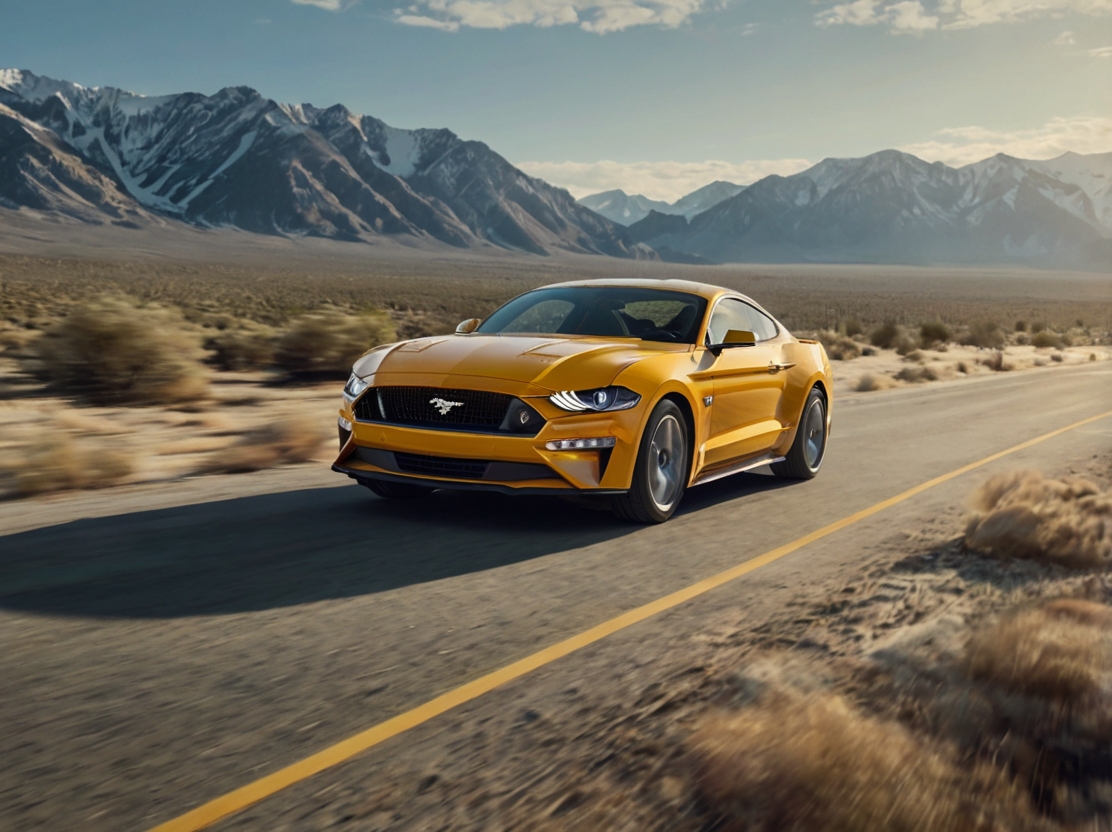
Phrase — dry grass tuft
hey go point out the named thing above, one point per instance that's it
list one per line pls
(1022, 514)
(325, 344)
(996, 363)
(917, 375)
(870, 382)
(109, 351)
(1059, 651)
(795, 762)
(285, 442)
(59, 463)
(838, 346)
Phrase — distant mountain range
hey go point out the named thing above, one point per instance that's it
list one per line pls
(236, 159)
(892, 207)
(620, 207)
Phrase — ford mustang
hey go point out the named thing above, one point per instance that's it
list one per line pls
(631, 389)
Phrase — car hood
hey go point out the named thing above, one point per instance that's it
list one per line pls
(551, 363)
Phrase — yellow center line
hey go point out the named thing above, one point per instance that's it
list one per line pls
(252, 793)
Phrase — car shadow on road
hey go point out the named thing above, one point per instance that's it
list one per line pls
(276, 550)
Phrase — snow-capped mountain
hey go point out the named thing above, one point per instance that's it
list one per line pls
(620, 207)
(238, 159)
(894, 207)
(705, 198)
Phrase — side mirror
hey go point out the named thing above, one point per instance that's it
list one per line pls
(734, 338)
(468, 326)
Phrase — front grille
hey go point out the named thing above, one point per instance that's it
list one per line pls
(441, 466)
(477, 411)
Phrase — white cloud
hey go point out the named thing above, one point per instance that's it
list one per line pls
(657, 180)
(1067, 38)
(599, 16)
(972, 13)
(907, 16)
(911, 16)
(1101, 52)
(329, 5)
(428, 22)
(963, 145)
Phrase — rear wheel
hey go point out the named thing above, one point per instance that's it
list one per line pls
(660, 474)
(396, 490)
(809, 447)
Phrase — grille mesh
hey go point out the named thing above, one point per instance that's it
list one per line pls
(466, 409)
(441, 466)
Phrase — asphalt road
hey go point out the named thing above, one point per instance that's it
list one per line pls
(162, 646)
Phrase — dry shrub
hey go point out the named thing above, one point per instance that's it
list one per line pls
(885, 336)
(931, 334)
(839, 347)
(1045, 674)
(1060, 651)
(326, 344)
(109, 351)
(961, 368)
(870, 382)
(917, 375)
(59, 463)
(1057, 358)
(914, 355)
(986, 334)
(996, 363)
(249, 348)
(1025, 515)
(796, 762)
(852, 327)
(285, 442)
(1045, 338)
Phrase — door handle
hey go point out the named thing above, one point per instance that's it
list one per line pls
(774, 368)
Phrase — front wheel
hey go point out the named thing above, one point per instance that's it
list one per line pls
(809, 447)
(660, 474)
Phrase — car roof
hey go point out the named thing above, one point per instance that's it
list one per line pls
(705, 290)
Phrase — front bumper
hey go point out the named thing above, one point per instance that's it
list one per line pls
(498, 462)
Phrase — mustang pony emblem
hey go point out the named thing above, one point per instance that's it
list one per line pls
(444, 406)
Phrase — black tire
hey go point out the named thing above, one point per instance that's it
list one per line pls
(396, 490)
(662, 468)
(809, 446)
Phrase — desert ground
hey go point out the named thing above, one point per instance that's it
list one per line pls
(211, 604)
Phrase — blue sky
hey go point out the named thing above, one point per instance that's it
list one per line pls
(655, 96)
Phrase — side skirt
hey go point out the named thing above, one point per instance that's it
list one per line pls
(737, 468)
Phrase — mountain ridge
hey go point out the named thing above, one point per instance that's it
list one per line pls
(891, 206)
(238, 159)
(618, 206)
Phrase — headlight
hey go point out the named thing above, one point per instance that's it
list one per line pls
(602, 399)
(355, 387)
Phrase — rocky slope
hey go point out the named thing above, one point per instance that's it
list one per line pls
(894, 207)
(238, 159)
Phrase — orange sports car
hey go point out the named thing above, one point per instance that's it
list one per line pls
(632, 389)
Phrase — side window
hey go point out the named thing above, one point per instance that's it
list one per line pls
(729, 314)
(760, 324)
(734, 314)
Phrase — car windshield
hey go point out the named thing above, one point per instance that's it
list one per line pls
(605, 311)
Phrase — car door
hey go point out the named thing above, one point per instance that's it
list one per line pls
(747, 385)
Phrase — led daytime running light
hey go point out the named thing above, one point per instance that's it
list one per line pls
(581, 444)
